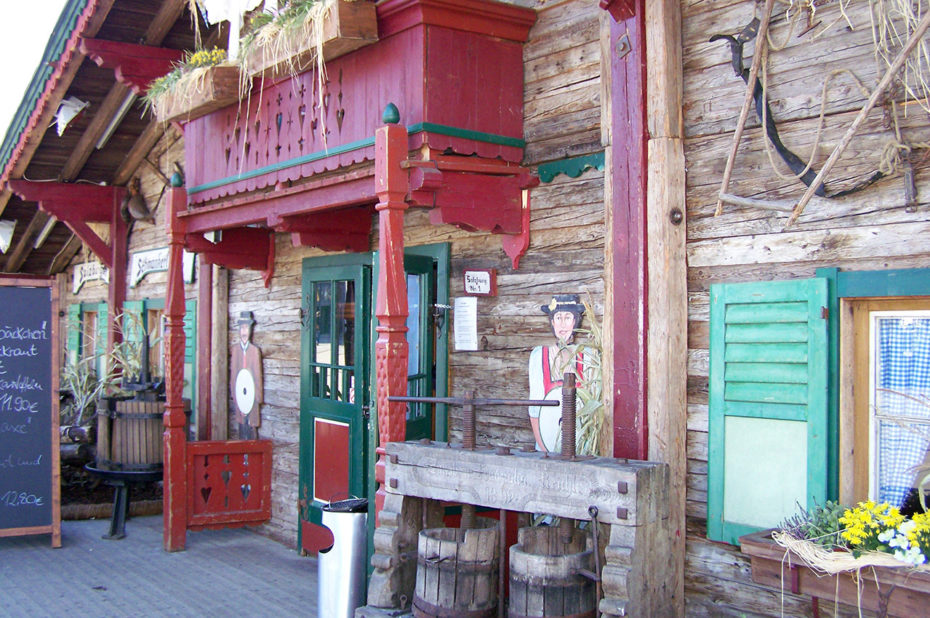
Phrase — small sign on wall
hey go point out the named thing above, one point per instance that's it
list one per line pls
(142, 263)
(481, 282)
(88, 271)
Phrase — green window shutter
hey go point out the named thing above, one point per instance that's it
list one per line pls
(190, 355)
(767, 442)
(102, 327)
(73, 342)
(133, 320)
(190, 330)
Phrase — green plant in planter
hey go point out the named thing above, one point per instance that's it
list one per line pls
(186, 75)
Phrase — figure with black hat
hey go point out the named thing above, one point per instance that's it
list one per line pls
(547, 365)
(246, 379)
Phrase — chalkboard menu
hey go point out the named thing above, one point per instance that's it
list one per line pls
(29, 460)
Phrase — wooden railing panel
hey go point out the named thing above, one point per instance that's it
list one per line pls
(229, 483)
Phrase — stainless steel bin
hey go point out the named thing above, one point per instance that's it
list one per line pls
(341, 569)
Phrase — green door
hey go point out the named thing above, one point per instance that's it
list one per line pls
(421, 342)
(334, 388)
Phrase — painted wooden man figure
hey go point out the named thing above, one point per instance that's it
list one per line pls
(548, 364)
(246, 379)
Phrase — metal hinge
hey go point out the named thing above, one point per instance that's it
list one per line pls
(824, 313)
(366, 412)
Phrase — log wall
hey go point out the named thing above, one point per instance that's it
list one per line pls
(868, 230)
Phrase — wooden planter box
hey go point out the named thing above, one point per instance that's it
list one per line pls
(901, 591)
(348, 26)
(218, 88)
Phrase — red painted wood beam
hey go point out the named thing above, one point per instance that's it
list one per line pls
(343, 230)
(136, 66)
(495, 19)
(331, 193)
(88, 202)
(76, 204)
(175, 475)
(241, 247)
(204, 351)
(471, 201)
(628, 240)
(620, 10)
(391, 349)
(116, 289)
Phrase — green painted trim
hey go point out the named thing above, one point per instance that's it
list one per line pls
(478, 136)
(55, 47)
(281, 165)
(865, 283)
(573, 167)
(420, 127)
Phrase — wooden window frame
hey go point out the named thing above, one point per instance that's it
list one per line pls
(850, 292)
(855, 368)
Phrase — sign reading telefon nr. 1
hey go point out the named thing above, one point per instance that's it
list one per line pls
(29, 460)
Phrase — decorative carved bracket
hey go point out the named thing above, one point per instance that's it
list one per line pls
(343, 230)
(459, 192)
(240, 247)
(75, 205)
(136, 66)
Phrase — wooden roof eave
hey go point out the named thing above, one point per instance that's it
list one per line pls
(80, 41)
(88, 23)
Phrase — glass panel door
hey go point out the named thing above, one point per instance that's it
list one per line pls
(334, 422)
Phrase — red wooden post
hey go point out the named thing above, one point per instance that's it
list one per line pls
(628, 252)
(391, 348)
(204, 350)
(175, 479)
(116, 292)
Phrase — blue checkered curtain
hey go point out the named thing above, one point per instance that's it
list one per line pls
(902, 402)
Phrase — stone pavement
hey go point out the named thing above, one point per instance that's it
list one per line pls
(231, 572)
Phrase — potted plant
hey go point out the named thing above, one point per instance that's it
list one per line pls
(201, 83)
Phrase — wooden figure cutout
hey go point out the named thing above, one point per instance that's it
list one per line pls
(245, 370)
(548, 364)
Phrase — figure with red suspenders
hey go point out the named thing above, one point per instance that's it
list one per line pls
(547, 365)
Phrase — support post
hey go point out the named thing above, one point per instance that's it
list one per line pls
(175, 479)
(626, 250)
(116, 291)
(391, 349)
(204, 350)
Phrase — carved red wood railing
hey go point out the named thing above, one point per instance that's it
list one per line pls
(229, 483)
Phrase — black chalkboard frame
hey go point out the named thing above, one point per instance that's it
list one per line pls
(54, 528)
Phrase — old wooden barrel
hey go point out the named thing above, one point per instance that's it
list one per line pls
(129, 435)
(457, 571)
(544, 579)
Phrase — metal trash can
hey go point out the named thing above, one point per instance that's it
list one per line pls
(341, 569)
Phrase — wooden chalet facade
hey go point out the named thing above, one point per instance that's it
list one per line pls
(571, 146)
